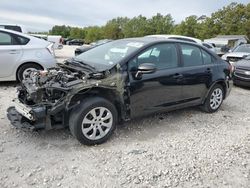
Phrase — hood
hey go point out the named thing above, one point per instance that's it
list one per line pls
(245, 64)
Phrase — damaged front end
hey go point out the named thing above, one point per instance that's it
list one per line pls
(45, 99)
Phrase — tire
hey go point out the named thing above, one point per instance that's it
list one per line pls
(25, 68)
(214, 99)
(90, 130)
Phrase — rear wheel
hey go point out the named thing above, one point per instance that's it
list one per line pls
(26, 69)
(94, 121)
(214, 99)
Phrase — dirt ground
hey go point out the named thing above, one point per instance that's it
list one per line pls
(185, 148)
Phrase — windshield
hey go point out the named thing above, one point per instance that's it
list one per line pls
(107, 55)
(242, 48)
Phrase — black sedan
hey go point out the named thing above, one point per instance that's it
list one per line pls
(85, 48)
(75, 42)
(242, 72)
(118, 81)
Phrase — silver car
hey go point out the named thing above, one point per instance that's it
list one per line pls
(21, 53)
(238, 53)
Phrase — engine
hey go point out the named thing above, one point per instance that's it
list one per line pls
(48, 86)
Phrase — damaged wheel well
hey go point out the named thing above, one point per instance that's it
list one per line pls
(108, 94)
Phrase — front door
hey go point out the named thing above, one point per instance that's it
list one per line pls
(157, 90)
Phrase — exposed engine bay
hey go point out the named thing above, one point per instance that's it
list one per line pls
(48, 86)
(45, 97)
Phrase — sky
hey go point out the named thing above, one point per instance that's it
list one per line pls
(42, 15)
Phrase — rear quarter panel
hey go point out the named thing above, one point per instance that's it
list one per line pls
(38, 55)
(224, 75)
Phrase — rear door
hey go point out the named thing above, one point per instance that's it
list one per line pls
(198, 70)
(10, 54)
(157, 90)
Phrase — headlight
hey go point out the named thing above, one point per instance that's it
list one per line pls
(224, 57)
(247, 72)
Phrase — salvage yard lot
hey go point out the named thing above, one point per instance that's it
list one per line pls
(185, 148)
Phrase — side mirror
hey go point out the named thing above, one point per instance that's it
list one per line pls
(145, 68)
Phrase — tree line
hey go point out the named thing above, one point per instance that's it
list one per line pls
(230, 20)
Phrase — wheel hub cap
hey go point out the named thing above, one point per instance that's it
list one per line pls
(216, 98)
(97, 123)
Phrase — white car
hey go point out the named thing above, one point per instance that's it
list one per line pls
(21, 53)
(238, 53)
(185, 38)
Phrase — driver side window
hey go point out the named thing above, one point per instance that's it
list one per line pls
(164, 56)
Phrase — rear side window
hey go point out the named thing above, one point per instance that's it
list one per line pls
(206, 45)
(207, 58)
(22, 40)
(13, 28)
(5, 39)
(191, 55)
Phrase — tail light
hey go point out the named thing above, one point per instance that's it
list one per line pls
(61, 40)
(231, 68)
(50, 48)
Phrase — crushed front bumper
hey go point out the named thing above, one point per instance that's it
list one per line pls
(24, 110)
(17, 120)
(24, 116)
(21, 122)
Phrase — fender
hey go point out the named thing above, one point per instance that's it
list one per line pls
(222, 83)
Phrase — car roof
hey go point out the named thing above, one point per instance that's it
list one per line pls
(22, 27)
(15, 32)
(175, 36)
(24, 35)
(149, 40)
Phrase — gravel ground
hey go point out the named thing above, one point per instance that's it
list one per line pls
(185, 148)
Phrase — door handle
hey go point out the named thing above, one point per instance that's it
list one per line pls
(14, 52)
(178, 76)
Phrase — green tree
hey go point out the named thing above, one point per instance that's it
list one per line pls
(93, 33)
(136, 27)
(78, 33)
(188, 27)
(160, 24)
(63, 30)
(114, 29)
(230, 20)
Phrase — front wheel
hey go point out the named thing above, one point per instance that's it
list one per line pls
(94, 121)
(214, 99)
